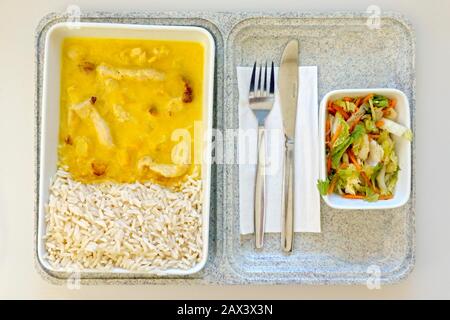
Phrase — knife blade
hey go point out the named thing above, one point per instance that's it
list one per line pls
(288, 84)
(288, 87)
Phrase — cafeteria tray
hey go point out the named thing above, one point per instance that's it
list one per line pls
(354, 247)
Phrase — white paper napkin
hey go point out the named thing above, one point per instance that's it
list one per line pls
(307, 198)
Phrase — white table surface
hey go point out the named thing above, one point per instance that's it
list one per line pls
(18, 277)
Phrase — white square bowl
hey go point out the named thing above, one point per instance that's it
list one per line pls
(51, 104)
(402, 148)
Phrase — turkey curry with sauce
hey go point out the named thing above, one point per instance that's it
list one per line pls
(121, 101)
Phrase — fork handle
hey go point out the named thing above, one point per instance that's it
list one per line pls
(287, 232)
(260, 189)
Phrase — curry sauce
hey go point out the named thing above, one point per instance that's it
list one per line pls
(121, 102)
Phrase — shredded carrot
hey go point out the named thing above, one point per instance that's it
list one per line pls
(379, 123)
(352, 157)
(332, 184)
(329, 164)
(353, 196)
(374, 188)
(339, 109)
(361, 197)
(348, 99)
(330, 104)
(367, 98)
(358, 102)
(336, 135)
(344, 165)
(328, 126)
(387, 111)
(374, 136)
(366, 178)
(392, 103)
(330, 107)
(331, 110)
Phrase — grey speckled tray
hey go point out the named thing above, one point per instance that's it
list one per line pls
(355, 246)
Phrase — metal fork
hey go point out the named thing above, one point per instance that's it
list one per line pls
(261, 102)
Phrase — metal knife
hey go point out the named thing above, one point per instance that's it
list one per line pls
(288, 83)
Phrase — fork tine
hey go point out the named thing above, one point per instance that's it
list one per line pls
(265, 81)
(272, 81)
(259, 80)
(252, 81)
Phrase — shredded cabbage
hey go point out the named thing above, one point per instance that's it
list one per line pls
(361, 147)
(340, 103)
(370, 125)
(376, 153)
(397, 129)
(349, 106)
(391, 181)
(382, 182)
(339, 150)
(392, 163)
(349, 180)
(344, 132)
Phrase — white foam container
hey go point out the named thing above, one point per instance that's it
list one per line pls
(51, 105)
(402, 148)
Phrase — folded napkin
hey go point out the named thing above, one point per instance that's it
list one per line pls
(306, 195)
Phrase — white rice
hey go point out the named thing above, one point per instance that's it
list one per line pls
(139, 227)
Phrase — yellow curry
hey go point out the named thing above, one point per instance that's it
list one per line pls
(121, 102)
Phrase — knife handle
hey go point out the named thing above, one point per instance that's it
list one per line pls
(287, 232)
(260, 190)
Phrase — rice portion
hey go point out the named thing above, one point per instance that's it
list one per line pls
(139, 226)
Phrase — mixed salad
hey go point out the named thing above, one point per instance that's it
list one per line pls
(360, 151)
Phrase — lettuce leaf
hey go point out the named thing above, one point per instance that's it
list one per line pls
(358, 132)
(370, 126)
(322, 186)
(377, 113)
(372, 171)
(339, 150)
(391, 182)
(371, 196)
(384, 135)
(380, 101)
